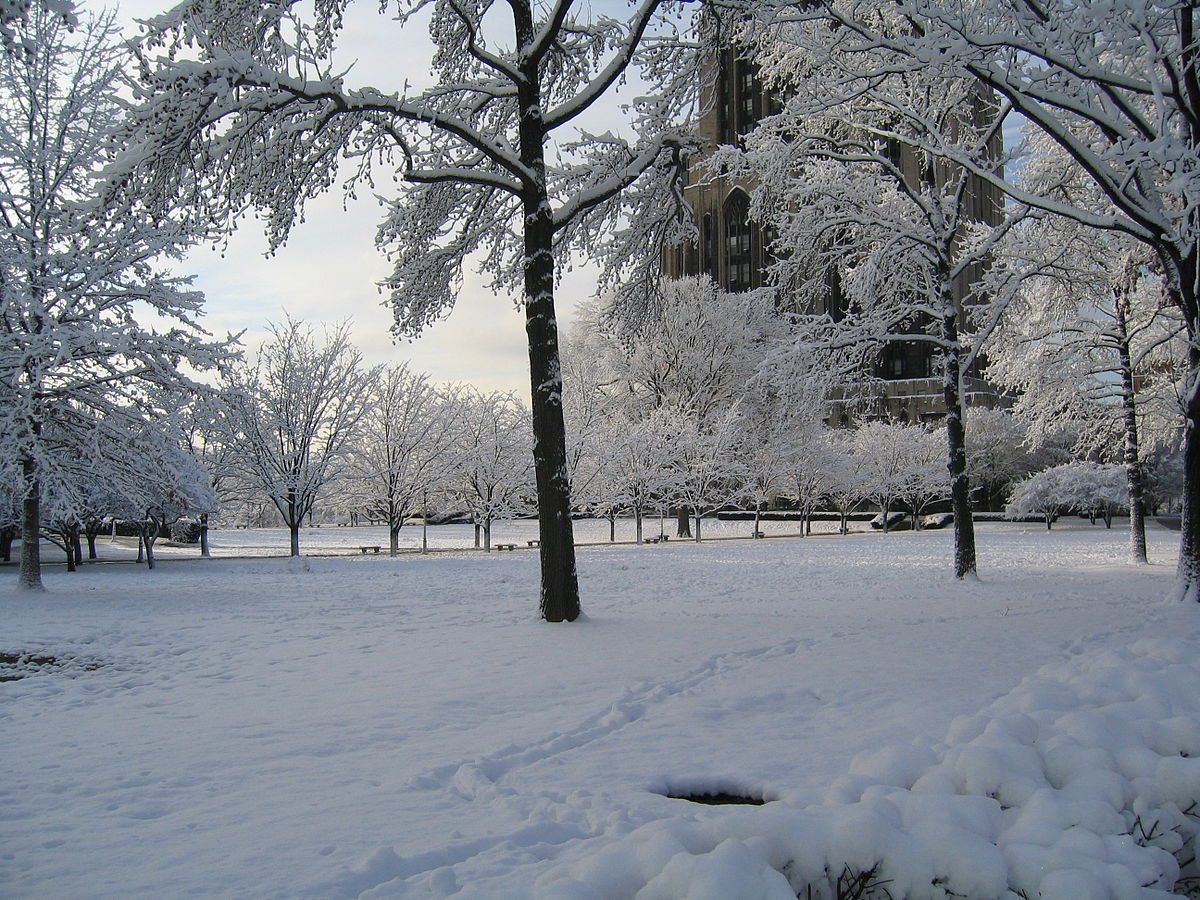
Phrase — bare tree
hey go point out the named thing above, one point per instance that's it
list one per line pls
(405, 446)
(292, 417)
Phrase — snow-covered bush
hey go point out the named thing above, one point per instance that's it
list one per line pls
(1083, 783)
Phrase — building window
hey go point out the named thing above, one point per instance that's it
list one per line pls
(708, 247)
(739, 250)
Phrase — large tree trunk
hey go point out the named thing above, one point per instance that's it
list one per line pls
(30, 577)
(560, 582)
(956, 451)
(393, 539)
(683, 522)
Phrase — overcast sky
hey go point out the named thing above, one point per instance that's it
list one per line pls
(330, 268)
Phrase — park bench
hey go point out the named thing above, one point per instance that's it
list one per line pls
(534, 543)
(506, 546)
(654, 540)
(373, 548)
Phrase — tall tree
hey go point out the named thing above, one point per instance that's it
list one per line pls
(291, 418)
(878, 241)
(247, 108)
(74, 277)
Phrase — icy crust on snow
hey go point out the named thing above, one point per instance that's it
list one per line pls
(1082, 782)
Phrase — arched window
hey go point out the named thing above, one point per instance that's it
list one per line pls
(739, 243)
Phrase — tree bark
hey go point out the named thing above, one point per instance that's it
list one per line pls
(7, 535)
(637, 524)
(684, 523)
(559, 581)
(1134, 477)
(956, 450)
(393, 539)
(30, 577)
(204, 551)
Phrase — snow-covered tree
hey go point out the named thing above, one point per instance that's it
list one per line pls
(998, 452)
(404, 448)
(291, 418)
(878, 241)
(898, 462)
(1117, 88)
(244, 105)
(709, 470)
(75, 278)
(1087, 487)
(1092, 343)
(639, 460)
(491, 465)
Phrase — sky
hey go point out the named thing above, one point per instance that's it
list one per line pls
(330, 269)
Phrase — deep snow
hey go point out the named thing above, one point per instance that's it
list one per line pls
(366, 726)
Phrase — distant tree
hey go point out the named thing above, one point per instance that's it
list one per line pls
(885, 460)
(291, 418)
(74, 278)
(640, 457)
(405, 446)
(1083, 486)
(998, 452)
(710, 473)
(491, 469)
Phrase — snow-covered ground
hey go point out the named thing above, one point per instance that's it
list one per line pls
(357, 726)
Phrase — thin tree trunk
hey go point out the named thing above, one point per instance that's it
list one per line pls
(487, 535)
(1134, 477)
(612, 527)
(294, 539)
(637, 525)
(697, 527)
(92, 533)
(141, 547)
(30, 577)
(76, 545)
(6, 541)
(478, 529)
(393, 539)
(757, 517)
(204, 551)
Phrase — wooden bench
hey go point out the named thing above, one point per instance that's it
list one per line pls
(372, 548)
(534, 543)
(654, 540)
(506, 546)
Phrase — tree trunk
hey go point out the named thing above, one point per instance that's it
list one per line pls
(1134, 477)
(956, 450)
(30, 577)
(393, 539)
(478, 529)
(560, 581)
(76, 545)
(637, 524)
(487, 535)
(141, 547)
(697, 526)
(6, 541)
(757, 518)
(204, 551)
(884, 510)
(612, 527)
(149, 540)
(683, 522)
(294, 539)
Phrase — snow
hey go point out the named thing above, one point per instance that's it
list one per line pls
(351, 726)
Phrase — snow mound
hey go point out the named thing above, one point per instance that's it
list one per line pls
(1082, 782)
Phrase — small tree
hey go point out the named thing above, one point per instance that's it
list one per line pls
(491, 464)
(404, 448)
(291, 418)
(710, 473)
(1083, 486)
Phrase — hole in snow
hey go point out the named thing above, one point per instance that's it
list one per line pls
(15, 666)
(715, 792)
(720, 798)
